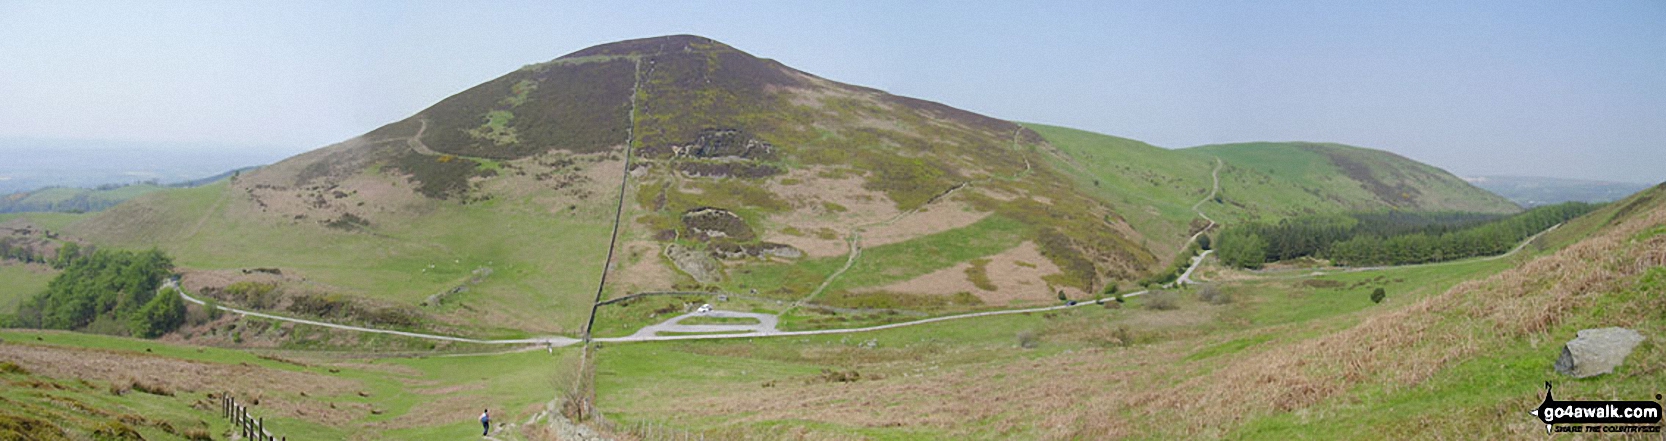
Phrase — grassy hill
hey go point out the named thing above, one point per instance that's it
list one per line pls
(1155, 188)
(1350, 177)
(1342, 177)
(492, 211)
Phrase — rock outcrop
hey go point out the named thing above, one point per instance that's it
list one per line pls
(698, 264)
(1597, 351)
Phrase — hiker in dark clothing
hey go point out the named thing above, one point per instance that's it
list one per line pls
(485, 422)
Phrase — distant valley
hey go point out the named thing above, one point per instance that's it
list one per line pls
(1529, 191)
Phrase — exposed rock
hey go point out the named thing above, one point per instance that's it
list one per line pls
(726, 143)
(762, 250)
(1597, 351)
(781, 250)
(695, 169)
(708, 223)
(701, 266)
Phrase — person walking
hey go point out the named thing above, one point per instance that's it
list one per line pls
(485, 422)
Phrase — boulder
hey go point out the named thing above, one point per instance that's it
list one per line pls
(697, 264)
(1597, 351)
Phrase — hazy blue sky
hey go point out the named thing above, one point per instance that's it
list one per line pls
(1567, 89)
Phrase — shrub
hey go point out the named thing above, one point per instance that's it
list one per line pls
(120, 387)
(834, 376)
(1213, 295)
(255, 295)
(1028, 340)
(1378, 295)
(1161, 301)
(212, 307)
(12, 368)
(978, 274)
(153, 388)
(116, 430)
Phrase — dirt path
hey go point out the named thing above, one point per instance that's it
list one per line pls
(854, 237)
(212, 210)
(1186, 277)
(415, 141)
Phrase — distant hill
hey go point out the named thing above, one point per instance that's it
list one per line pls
(1351, 178)
(73, 200)
(492, 211)
(1531, 191)
(86, 200)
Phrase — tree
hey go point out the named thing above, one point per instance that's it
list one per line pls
(1378, 295)
(1062, 297)
(1242, 248)
(67, 255)
(161, 315)
(112, 284)
(1203, 241)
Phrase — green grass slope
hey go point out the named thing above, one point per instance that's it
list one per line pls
(1155, 188)
(1336, 175)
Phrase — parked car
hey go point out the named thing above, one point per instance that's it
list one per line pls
(704, 308)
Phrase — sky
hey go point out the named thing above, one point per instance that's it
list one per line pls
(1554, 88)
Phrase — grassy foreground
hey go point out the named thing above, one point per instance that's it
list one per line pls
(302, 395)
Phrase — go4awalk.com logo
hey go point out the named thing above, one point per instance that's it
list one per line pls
(1598, 416)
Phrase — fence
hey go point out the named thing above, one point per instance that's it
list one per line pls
(251, 428)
